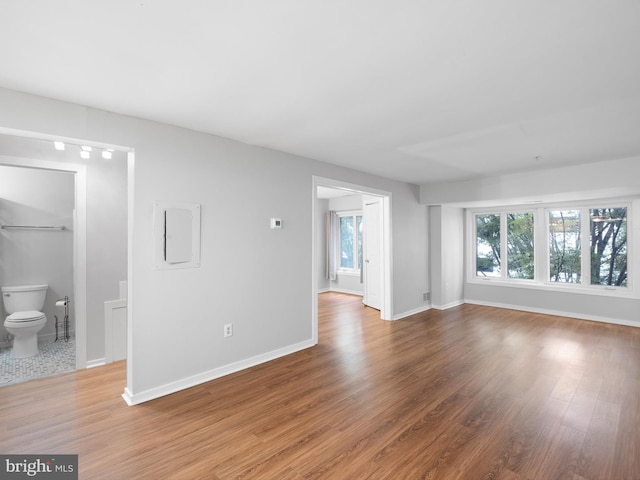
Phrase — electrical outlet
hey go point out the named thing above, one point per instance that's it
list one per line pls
(426, 296)
(228, 330)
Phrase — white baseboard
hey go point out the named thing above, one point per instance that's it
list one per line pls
(412, 312)
(96, 363)
(145, 396)
(449, 305)
(579, 316)
(324, 290)
(348, 292)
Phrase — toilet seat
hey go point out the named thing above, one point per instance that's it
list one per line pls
(22, 317)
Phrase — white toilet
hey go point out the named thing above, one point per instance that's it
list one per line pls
(25, 320)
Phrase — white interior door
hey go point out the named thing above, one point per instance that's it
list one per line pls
(372, 255)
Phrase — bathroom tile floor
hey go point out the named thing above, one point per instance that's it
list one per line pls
(53, 358)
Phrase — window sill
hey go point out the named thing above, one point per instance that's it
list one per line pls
(620, 292)
(349, 273)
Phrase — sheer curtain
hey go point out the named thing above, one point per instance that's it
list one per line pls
(333, 248)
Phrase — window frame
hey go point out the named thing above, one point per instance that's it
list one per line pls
(584, 233)
(504, 250)
(541, 278)
(355, 271)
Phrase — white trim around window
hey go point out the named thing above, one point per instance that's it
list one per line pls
(541, 278)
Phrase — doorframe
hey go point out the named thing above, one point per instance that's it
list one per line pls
(386, 311)
(79, 242)
(80, 229)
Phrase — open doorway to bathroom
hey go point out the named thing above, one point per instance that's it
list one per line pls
(85, 261)
(36, 248)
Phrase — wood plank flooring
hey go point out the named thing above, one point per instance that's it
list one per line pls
(469, 393)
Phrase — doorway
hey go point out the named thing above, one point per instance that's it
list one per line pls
(79, 243)
(93, 273)
(383, 292)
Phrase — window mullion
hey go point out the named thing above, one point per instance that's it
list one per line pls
(503, 246)
(541, 246)
(585, 247)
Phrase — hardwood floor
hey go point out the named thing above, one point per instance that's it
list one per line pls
(469, 393)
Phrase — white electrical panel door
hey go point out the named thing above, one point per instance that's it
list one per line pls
(176, 235)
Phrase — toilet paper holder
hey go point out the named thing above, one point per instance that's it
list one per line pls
(63, 302)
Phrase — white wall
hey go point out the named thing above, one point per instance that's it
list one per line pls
(410, 226)
(348, 202)
(257, 278)
(106, 244)
(612, 178)
(447, 256)
(624, 311)
(27, 257)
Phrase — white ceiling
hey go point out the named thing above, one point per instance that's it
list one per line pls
(419, 91)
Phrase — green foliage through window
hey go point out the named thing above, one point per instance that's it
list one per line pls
(351, 242)
(601, 260)
(608, 228)
(488, 245)
(520, 245)
(564, 246)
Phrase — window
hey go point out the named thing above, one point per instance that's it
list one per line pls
(606, 248)
(520, 248)
(517, 241)
(350, 241)
(564, 246)
(608, 228)
(488, 245)
(575, 246)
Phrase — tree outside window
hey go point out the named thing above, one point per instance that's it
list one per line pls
(600, 261)
(608, 228)
(350, 242)
(488, 245)
(564, 246)
(520, 245)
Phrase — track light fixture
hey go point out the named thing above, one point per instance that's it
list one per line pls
(85, 150)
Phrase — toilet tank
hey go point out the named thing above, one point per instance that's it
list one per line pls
(24, 298)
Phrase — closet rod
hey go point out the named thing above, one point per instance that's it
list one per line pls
(30, 227)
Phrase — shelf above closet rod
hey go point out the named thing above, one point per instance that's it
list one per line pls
(30, 227)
